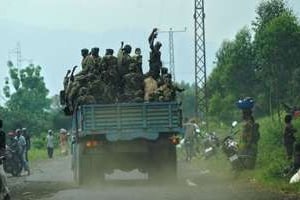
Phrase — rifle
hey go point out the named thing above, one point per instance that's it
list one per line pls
(72, 73)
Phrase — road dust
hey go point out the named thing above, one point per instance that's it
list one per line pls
(52, 180)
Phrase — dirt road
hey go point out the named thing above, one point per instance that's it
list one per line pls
(52, 180)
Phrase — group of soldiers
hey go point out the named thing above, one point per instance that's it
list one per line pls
(111, 79)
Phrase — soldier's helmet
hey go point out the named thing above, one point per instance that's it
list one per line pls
(95, 51)
(127, 49)
(109, 52)
(84, 52)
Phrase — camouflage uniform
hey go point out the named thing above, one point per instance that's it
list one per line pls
(138, 60)
(97, 88)
(84, 98)
(124, 60)
(167, 92)
(133, 86)
(110, 75)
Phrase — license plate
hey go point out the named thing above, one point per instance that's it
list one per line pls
(233, 158)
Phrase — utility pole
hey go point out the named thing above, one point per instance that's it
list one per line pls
(18, 52)
(171, 50)
(201, 103)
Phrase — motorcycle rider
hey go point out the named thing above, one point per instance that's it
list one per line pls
(4, 192)
(22, 146)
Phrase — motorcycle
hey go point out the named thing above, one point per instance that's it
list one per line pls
(12, 163)
(210, 144)
(231, 149)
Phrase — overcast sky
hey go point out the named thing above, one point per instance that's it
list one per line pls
(52, 32)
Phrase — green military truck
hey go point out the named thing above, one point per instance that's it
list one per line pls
(125, 136)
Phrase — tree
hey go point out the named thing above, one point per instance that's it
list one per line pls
(27, 104)
(234, 76)
(277, 51)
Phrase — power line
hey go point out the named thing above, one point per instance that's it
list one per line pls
(171, 49)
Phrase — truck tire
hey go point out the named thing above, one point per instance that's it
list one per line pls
(87, 168)
(164, 162)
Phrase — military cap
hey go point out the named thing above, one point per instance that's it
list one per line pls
(84, 51)
(127, 48)
(109, 52)
(95, 50)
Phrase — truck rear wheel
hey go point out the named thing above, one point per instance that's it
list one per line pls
(164, 162)
(88, 167)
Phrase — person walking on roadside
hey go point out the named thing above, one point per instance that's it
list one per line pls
(26, 135)
(288, 136)
(4, 192)
(22, 147)
(50, 144)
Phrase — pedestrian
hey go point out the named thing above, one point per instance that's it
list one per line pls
(250, 134)
(63, 139)
(28, 142)
(4, 192)
(50, 144)
(22, 147)
(288, 136)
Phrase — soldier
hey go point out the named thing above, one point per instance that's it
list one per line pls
(164, 72)
(80, 81)
(150, 86)
(84, 54)
(110, 75)
(98, 88)
(155, 54)
(289, 137)
(96, 60)
(138, 59)
(167, 92)
(84, 97)
(124, 59)
(133, 85)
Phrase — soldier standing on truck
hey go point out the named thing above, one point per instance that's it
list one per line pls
(155, 54)
(110, 75)
(124, 59)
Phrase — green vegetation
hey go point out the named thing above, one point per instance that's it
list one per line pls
(28, 104)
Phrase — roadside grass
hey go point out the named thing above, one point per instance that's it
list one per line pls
(271, 158)
(41, 154)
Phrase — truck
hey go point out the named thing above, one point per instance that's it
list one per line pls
(126, 136)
